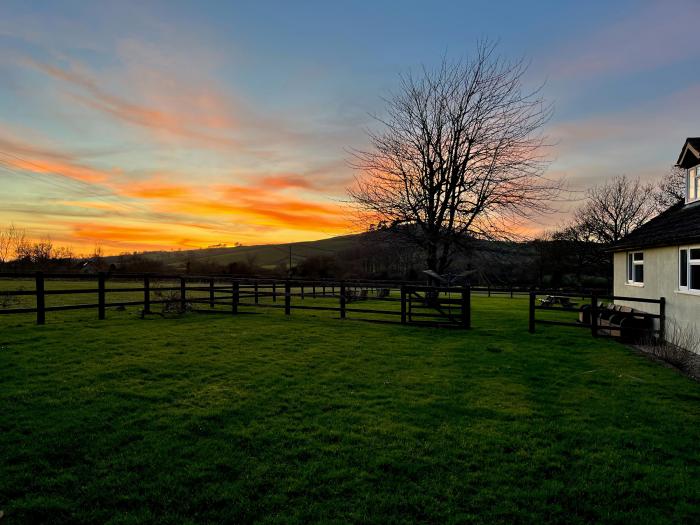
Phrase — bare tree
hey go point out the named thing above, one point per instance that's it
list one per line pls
(21, 245)
(15, 247)
(459, 155)
(97, 258)
(670, 189)
(5, 246)
(14, 244)
(615, 208)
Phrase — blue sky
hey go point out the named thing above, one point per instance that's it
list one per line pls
(138, 125)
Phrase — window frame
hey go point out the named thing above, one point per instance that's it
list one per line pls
(691, 185)
(632, 263)
(690, 262)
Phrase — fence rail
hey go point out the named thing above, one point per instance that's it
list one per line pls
(415, 303)
(385, 301)
(602, 319)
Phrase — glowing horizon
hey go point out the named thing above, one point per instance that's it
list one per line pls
(164, 126)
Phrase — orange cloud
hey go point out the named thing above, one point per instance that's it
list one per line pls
(194, 116)
(286, 181)
(284, 213)
(154, 236)
(37, 159)
(161, 212)
(155, 189)
(55, 168)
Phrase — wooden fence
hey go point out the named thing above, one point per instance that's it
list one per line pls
(405, 303)
(600, 318)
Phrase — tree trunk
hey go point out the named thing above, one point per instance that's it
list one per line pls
(444, 262)
(431, 250)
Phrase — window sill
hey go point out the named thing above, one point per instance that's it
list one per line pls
(688, 292)
(637, 285)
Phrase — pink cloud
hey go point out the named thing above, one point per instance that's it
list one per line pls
(202, 117)
(647, 37)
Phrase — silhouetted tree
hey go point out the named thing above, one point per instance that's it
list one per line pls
(6, 244)
(615, 208)
(19, 253)
(587, 255)
(670, 189)
(97, 259)
(138, 263)
(459, 155)
(318, 266)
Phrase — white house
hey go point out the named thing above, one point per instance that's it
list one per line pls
(662, 257)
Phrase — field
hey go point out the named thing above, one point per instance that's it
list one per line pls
(257, 417)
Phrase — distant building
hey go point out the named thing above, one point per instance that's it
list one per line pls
(662, 257)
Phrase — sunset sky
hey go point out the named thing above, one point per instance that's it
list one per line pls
(162, 125)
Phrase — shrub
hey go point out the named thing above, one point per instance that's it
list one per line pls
(680, 348)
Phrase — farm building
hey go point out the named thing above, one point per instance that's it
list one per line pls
(662, 257)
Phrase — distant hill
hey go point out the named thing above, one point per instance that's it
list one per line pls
(381, 254)
(263, 255)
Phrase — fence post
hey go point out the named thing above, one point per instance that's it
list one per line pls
(403, 304)
(323, 290)
(183, 298)
(287, 298)
(255, 287)
(662, 318)
(511, 291)
(274, 292)
(531, 328)
(594, 315)
(466, 306)
(146, 294)
(101, 295)
(301, 283)
(488, 287)
(211, 293)
(234, 297)
(342, 299)
(40, 299)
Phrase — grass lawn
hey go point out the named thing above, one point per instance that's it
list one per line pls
(258, 417)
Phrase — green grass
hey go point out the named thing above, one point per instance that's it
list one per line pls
(258, 417)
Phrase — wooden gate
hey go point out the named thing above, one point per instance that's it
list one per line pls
(436, 306)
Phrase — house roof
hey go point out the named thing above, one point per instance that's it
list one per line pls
(690, 154)
(680, 224)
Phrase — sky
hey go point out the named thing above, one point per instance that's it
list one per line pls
(173, 125)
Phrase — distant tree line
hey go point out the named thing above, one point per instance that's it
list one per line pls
(18, 253)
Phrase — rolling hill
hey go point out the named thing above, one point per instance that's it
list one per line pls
(263, 255)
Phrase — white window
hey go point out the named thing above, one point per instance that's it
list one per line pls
(689, 268)
(635, 267)
(692, 185)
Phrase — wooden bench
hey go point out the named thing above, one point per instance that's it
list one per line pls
(353, 295)
(619, 321)
(552, 300)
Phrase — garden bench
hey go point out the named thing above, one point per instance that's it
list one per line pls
(619, 321)
(553, 300)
